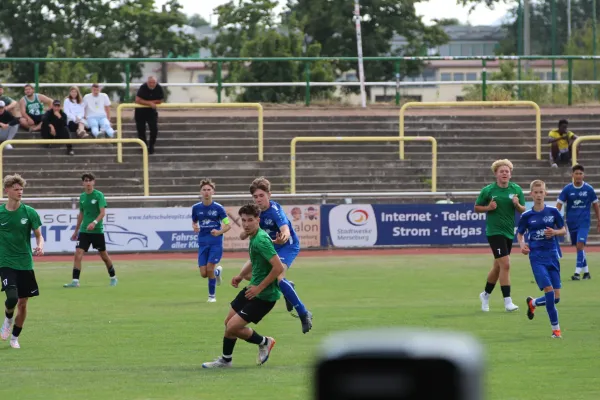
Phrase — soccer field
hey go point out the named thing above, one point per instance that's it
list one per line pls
(147, 337)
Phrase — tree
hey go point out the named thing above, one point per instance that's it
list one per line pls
(249, 29)
(99, 29)
(330, 23)
(196, 21)
(447, 22)
(61, 72)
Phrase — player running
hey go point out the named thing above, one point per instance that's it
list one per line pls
(274, 221)
(500, 200)
(210, 222)
(541, 224)
(255, 301)
(579, 197)
(17, 220)
(90, 230)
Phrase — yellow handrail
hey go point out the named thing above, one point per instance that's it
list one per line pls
(256, 106)
(430, 139)
(576, 145)
(538, 116)
(83, 142)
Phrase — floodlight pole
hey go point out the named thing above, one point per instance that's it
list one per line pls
(361, 69)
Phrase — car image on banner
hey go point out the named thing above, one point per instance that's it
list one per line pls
(116, 235)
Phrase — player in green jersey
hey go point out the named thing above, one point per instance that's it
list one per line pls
(500, 200)
(17, 220)
(90, 230)
(255, 301)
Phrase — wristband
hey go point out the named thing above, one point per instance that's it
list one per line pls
(94, 222)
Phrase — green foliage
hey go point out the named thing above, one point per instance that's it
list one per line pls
(61, 72)
(330, 23)
(196, 21)
(99, 29)
(249, 29)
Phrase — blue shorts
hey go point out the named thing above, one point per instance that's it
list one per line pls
(546, 272)
(211, 253)
(288, 254)
(579, 235)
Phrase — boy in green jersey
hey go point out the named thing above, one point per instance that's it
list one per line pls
(90, 230)
(500, 200)
(17, 220)
(32, 108)
(255, 301)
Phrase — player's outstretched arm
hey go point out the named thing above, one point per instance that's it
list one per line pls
(78, 226)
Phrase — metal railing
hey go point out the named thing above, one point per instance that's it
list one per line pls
(83, 142)
(538, 116)
(219, 83)
(256, 106)
(363, 139)
(578, 141)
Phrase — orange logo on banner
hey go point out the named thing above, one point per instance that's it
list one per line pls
(305, 219)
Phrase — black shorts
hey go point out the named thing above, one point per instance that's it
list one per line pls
(84, 240)
(23, 280)
(251, 310)
(500, 245)
(36, 118)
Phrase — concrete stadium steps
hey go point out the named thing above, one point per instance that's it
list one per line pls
(225, 149)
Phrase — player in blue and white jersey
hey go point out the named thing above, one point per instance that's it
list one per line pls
(210, 222)
(541, 225)
(578, 198)
(274, 221)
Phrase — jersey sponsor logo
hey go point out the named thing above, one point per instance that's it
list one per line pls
(548, 219)
(577, 203)
(24, 221)
(357, 217)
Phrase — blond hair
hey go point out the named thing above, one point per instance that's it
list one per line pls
(10, 180)
(208, 182)
(501, 163)
(537, 183)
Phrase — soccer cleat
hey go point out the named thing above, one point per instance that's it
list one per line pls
(306, 321)
(113, 281)
(72, 284)
(264, 350)
(576, 277)
(530, 308)
(5, 330)
(218, 363)
(14, 343)
(211, 299)
(556, 334)
(511, 307)
(218, 272)
(586, 276)
(485, 301)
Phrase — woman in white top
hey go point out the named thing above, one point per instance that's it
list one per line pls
(74, 109)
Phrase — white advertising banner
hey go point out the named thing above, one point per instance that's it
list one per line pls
(162, 229)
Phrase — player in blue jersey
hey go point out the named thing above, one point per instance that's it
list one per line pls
(210, 222)
(541, 225)
(578, 198)
(274, 221)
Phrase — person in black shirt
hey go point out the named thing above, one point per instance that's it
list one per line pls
(54, 125)
(9, 125)
(149, 94)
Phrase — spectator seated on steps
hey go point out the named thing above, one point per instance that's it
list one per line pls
(9, 125)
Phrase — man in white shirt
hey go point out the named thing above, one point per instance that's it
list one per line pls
(97, 111)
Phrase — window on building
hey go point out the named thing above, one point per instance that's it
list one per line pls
(478, 49)
(471, 76)
(446, 76)
(466, 49)
(444, 50)
(201, 78)
(488, 49)
(539, 75)
(549, 76)
(455, 50)
(429, 74)
(459, 76)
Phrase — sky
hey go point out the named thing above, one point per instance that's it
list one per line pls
(430, 10)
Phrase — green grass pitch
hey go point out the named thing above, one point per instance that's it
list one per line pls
(147, 338)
